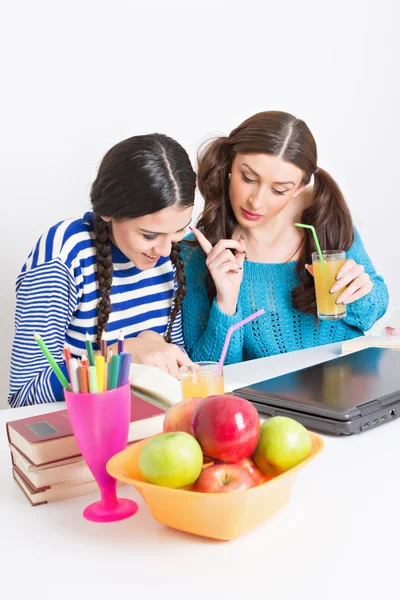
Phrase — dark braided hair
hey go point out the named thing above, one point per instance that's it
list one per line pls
(139, 176)
(181, 290)
(104, 273)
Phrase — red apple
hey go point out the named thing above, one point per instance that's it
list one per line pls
(258, 476)
(222, 479)
(179, 416)
(227, 427)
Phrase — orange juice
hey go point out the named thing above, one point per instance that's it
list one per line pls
(200, 380)
(324, 279)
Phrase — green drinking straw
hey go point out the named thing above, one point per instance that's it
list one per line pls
(321, 258)
(53, 364)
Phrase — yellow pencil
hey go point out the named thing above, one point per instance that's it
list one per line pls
(100, 362)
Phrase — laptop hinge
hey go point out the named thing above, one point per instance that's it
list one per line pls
(371, 407)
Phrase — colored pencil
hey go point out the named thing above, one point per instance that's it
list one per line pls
(121, 362)
(108, 371)
(100, 362)
(84, 361)
(120, 342)
(89, 348)
(83, 379)
(114, 372)
(60, 375)
(92, 380)
(124, 368)
(103, 345)
(105, 375)
(73, 369)
(67, 356)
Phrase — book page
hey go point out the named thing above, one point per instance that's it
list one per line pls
(155, 383)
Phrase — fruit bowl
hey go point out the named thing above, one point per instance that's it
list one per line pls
(212, 515)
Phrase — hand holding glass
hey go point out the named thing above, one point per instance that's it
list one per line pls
(324, 279)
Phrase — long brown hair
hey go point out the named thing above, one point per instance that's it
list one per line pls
(278, 134)
(138, 177)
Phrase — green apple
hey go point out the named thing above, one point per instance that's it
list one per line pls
(171, 460)
(283, 444)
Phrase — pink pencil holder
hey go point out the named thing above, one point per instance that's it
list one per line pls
(100, 422)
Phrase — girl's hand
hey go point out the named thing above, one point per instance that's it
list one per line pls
(150, 348)
(356, 280)
(225, 268)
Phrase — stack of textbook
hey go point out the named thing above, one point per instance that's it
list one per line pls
(46, 462)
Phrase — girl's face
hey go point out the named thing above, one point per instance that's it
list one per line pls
(145, 239)
(261, 186)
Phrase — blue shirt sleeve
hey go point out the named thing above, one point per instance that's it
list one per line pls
(363, 313)
(46, 301)
(204, 326)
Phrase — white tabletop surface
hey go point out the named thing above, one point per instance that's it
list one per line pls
(338, 537)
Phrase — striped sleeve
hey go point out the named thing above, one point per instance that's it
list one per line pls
(364, 313)
(177, 333)
(46, 300)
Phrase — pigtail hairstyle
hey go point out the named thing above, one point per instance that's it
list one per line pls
(283, 135)
(330, 216)
(104, 273)
(180, 293)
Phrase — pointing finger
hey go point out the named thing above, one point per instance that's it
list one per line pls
(203, 241)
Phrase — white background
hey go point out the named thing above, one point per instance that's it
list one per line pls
(80, 76)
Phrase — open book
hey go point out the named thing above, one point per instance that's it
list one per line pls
(159, 388)
(371, 341)
(154, 385)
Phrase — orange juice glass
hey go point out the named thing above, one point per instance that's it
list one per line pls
(324, 279)
(200, 380)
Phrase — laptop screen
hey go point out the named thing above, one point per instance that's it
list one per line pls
(339, 389)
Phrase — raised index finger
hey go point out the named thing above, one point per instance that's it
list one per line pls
(203, 241)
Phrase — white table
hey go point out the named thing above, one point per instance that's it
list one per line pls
(338, 537)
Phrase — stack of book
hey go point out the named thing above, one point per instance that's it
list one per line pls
(46, 461)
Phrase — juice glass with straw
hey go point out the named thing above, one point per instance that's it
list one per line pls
(327, 264)
(201, 379)
(205, 379)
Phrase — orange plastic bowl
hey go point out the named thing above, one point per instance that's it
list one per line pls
(217, 516)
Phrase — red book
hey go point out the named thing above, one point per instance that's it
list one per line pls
(48, 438)
(52, 494)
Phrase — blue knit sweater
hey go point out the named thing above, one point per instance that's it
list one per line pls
(281, 328)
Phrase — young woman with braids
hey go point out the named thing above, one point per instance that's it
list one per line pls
(254, 186)
(116, 268)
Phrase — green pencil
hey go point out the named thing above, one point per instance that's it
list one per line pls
(92, 380)
(114, 371)
(89, 348)
(52, 362)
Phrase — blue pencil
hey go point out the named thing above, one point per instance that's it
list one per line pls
(124, 369)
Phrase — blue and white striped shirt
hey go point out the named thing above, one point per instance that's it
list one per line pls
(57, 295)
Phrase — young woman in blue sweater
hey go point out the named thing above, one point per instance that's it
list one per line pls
(248, 254)
(116, 268)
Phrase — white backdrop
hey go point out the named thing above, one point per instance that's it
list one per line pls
(79, 76)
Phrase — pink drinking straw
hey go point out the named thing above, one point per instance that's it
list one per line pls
(229, 335)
